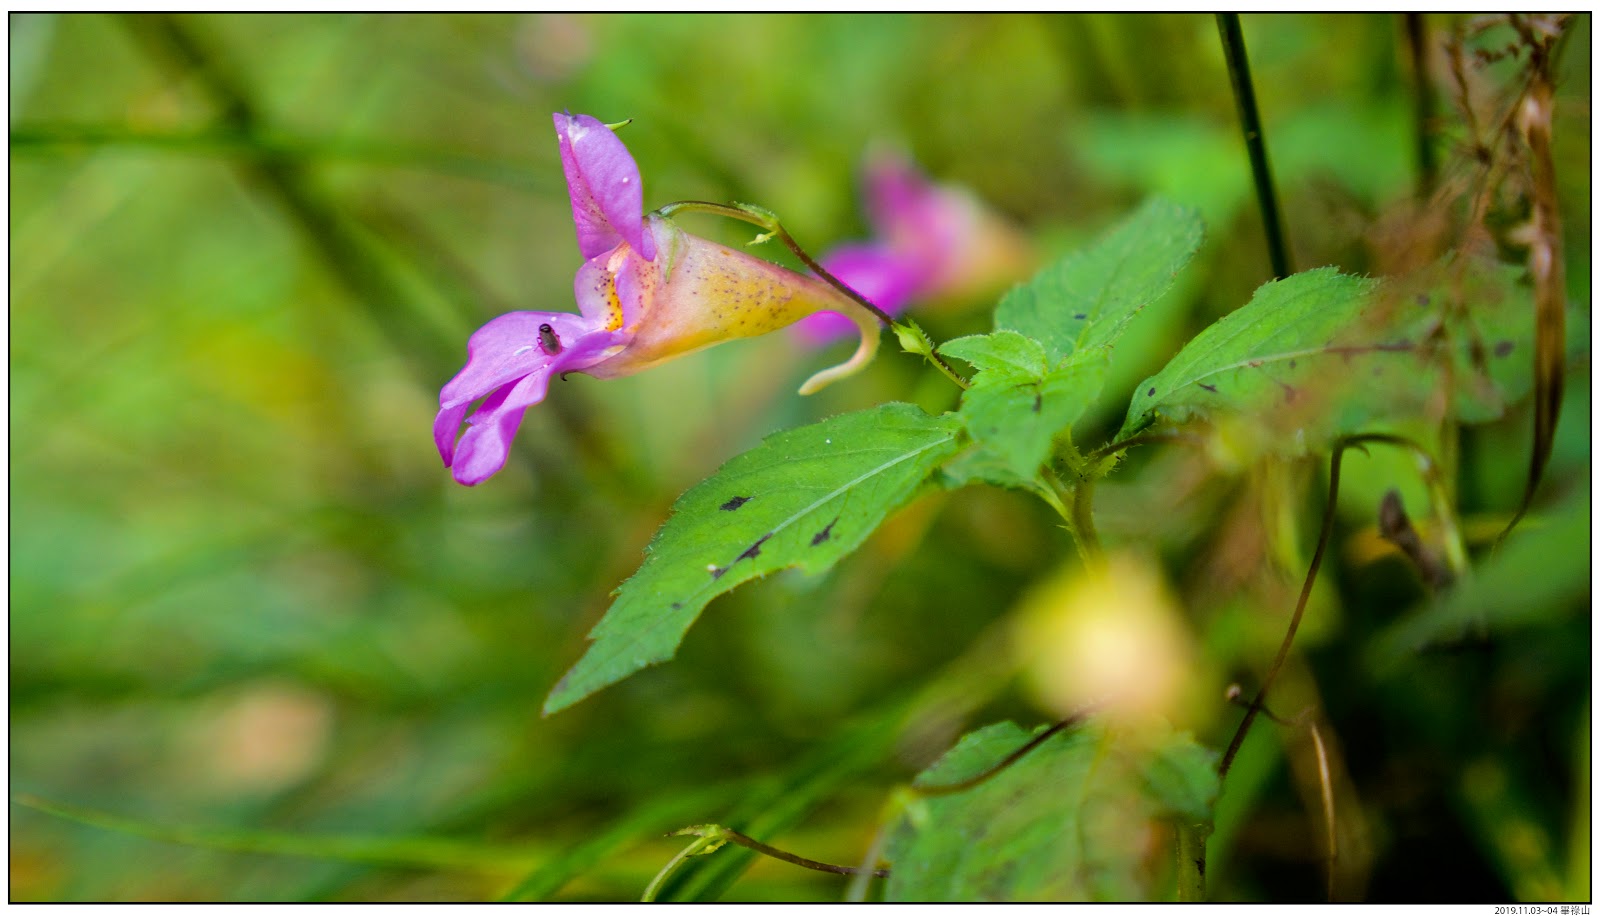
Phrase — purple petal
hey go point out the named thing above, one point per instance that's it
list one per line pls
(916, 218)
(445, 427)
(603, 181)
(483, 449)
(509, 362)
(506, 349)
(885, 279)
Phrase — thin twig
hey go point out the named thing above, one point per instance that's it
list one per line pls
(1016, 755)
(1244, 97)
(1323, 538)
(747, 842)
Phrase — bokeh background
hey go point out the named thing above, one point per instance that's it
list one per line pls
(263, 648)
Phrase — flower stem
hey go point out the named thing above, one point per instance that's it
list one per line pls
(1244, 97)
(949, 371)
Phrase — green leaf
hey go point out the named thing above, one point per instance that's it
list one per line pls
(1540, 575)
(1017, 404)
(1070, 820)
(1086, 299)
(1310, 357)
(802, 498)
(1321, 354)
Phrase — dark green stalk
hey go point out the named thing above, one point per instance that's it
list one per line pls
(1422, 93)
(1244, 98)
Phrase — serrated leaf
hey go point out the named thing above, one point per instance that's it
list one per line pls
(1017, 404)
(802, 498)
(1086, 299)
(1321, 354)
(1309, 357)
(1070, 820)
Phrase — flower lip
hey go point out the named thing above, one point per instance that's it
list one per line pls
(636, 310)
(509, 365)
(603, 182)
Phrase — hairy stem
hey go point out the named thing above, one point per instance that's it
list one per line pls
(1244, 97)
(1192, 861)
(1083, 522)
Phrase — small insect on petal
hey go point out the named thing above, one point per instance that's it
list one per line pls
(549, 340)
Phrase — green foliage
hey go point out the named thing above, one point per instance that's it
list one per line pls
(1087, 299)
(1321, 354)
(1067, 821)
(1018, 403)
(247, 602)
(1538, 577)
(1047, 360)
(803, 498)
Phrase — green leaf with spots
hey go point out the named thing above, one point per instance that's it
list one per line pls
(1086, 299)
(1070, 820)
(1321, 354)
(1018, 404)
(802, 498)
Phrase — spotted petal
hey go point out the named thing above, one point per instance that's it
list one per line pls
(603, 181)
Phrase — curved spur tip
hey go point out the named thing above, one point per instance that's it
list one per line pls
(870, 333)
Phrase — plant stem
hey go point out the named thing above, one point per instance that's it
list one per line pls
(734, 836)
(1244, 98)
(1083, 522)
(1416, 29)
(700, 846)
(1299, 609)
(1192, 861)
(1141, 439)
(948, 370)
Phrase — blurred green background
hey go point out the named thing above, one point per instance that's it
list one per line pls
(251, 611)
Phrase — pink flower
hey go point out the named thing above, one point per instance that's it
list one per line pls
(931, 242)
(647, 292)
